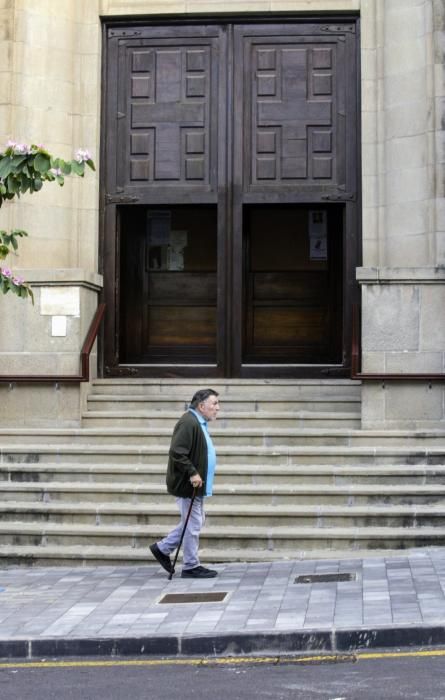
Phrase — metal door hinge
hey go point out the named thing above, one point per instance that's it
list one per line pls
(339, 28)
(340, 197)
(120, 199)
(124, 32)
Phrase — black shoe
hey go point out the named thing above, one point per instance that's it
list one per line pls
(163, 559)
(198, 572)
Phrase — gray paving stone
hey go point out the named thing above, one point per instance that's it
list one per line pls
(123, 601)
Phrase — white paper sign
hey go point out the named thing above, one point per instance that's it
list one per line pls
(318, 234)
(58, 326)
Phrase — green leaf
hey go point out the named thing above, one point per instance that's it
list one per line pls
(18, 160)
(19, 232)
(12, 184)
(42, 163)
(5, 167)
(78, 168)
(65, 167)
(91, 165)
(37, 184)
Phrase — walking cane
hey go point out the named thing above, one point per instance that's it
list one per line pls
(183, 533)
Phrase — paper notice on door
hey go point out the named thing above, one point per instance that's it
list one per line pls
(178, 242)
(178, 239)
(318, 234)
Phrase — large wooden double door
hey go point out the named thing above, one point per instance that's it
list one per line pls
(230, 194)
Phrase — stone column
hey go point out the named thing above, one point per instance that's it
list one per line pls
(50, 93)
(403, 283)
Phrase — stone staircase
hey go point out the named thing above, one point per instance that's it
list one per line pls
(296, 477)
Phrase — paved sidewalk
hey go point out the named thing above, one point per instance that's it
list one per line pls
(393, 601)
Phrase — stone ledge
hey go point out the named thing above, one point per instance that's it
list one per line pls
(62, 277)
(401, 275)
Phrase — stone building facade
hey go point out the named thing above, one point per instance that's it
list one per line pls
(51, 84)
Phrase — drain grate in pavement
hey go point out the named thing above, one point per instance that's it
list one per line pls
(178, 598)
(325, 578)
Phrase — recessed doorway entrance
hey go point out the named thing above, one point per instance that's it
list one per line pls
(230, 235)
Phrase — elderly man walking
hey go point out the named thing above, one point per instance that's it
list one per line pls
(191, 465)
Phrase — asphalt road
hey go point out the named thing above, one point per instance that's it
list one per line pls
(387, 677)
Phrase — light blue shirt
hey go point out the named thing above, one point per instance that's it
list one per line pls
(211, 454)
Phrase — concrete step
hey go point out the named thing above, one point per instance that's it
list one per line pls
(232, 420)
(95, 555)
(33, 453)
(236, 404)
(254, 494)
(236, 438)
(220, 538)
(226, 475)
(228, 388)
(218, 515)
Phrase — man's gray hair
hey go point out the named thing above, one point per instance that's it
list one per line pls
(201, 396)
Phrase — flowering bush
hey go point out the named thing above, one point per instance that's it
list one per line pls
(8, 281)
(24, 169)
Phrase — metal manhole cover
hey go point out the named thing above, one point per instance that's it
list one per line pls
(325, 578)
(178, 598)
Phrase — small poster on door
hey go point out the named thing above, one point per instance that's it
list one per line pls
(318, 234)
(178, 242)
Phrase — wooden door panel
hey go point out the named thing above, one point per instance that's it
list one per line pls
(292, 109)
(290, 326)
(303, 286)
(193, 287)
(168, 114)
(171, 326)
(295, 86)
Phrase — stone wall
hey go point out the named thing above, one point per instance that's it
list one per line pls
(50, 67)
(403, 283)
(50, 94)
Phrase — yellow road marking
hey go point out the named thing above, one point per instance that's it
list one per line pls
(228, 661)
(221, 661)
(399, 654)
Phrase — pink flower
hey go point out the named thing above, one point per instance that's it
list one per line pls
(56, 171)
(18, 281)
(82, 155)
(6, 272)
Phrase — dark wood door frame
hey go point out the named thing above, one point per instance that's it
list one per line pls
(230, 199)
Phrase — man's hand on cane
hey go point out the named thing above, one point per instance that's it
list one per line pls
(196, 481)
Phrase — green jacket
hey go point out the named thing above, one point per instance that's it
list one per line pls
(187, 456)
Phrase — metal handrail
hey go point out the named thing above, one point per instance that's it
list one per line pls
(85, 352)
(356, 354)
